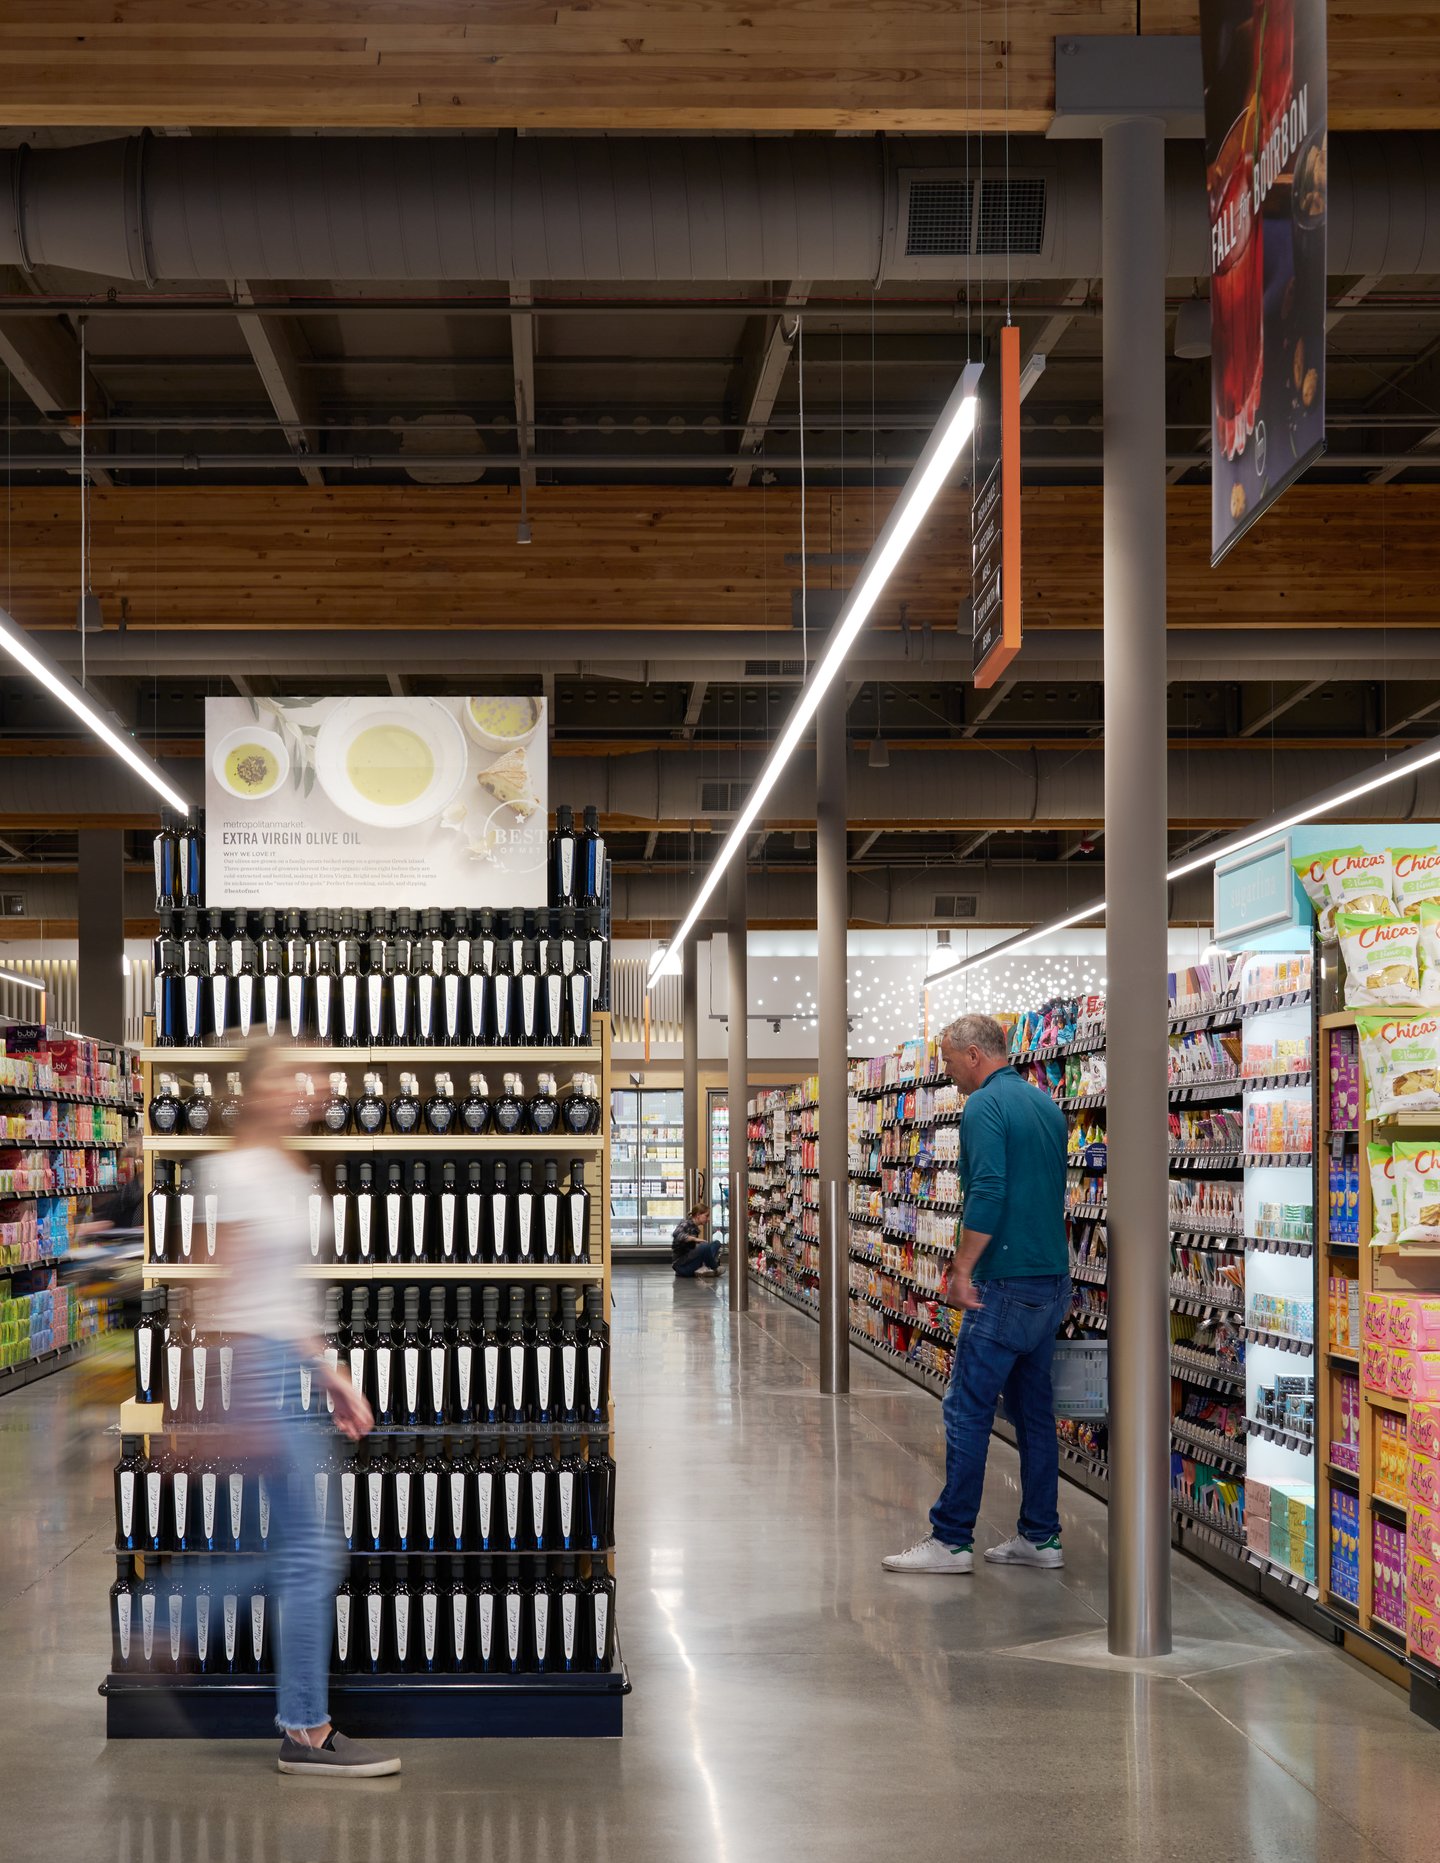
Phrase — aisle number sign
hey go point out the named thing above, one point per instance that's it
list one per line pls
(1254, 892)
(995, 534)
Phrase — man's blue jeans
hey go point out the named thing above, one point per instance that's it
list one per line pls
(1005, 1350)
(703, 1255)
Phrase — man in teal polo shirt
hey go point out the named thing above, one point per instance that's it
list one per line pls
(1011, 1274)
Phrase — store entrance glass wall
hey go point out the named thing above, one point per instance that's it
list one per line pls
(647, 1165)
(717, 1125)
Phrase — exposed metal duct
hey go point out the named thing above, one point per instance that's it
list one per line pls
(668, 655)
(672, 209)
(990, 786)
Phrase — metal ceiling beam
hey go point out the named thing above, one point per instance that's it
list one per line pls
(693, 708)
(44, 358)
(275, 349)
(866, 843)
(1411, 718)
(997, 698)
(1281, 706)
(764, 361)
(973, 845)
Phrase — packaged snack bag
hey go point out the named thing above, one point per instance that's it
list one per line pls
(1375, 1367)
(1417, 1188)
(1422, 1479)
(1416, 878)
(1415, 1321)
(1382, 958)
(1315, 873)
(1425, 1532)
(1427, 918)
(1401, 1057)
(1383, 1198)
(1364, 882)
(1422, 1581)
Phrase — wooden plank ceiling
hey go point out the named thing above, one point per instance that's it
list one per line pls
(617, 557)
(627, 64)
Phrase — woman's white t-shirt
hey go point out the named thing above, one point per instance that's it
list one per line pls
(262, 1206)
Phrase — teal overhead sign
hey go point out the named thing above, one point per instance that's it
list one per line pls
(1254, 891)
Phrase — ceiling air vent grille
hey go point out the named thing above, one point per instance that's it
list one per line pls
(723, 798)
(774, 669)
(956, 905)
(1012, 215)
(938, 225)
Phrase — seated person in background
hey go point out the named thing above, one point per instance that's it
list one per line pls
(690, 1253)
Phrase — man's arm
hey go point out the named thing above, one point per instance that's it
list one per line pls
(983, 1139)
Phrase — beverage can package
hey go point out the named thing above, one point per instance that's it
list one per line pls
(1401, 1056)
(1417, 1189)
(1415, 875)
(1375, 1320)
(1382, 959)
(1422, 1479)
(1425, 1428)
(1384, 1199)
(1422, 1632)
(1425, 1532)
(1422, 1580)
(1375, 1367)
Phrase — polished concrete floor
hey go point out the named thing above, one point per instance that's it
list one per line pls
(790, 1700)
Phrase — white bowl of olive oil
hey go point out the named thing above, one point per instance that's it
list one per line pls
(391, 765)
(250, 763)
(502, 721)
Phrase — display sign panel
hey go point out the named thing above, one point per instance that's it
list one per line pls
(386, 802)
(995, 534)
(1254, 891)
(1266, 177)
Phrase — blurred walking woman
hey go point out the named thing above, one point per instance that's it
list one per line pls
(265, 1305)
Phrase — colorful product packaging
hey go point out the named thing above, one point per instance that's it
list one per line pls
(1422, 1580)
(1425, 1428)
(1422, 1633)
(1345, 1545)
(1422, 1480)
(1417, 1190)
(1375, 1368)
(1384, 1198)
(1425, 1531)
(1375, 1320)
(1415, 1321)
(1415, 878)
(1401, 1060)
(1382, 959)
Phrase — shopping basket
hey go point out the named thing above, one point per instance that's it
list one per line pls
(1080, 1379)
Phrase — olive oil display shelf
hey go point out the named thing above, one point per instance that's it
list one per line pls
(394, 1706)
(363, 1142)
(172, 1060)
(467, 1271)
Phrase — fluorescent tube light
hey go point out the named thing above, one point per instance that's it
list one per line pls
(1324, 803)
(946, 443)
(18, 644)
(26, 983)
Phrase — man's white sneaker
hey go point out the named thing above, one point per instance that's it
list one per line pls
(931, 1555)
(1021, 1551)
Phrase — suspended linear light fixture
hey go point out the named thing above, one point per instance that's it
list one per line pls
(946, 443)
(18, 644)
(88, 618)
(1325, 802)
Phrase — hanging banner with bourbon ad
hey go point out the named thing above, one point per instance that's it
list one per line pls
(1265, 164)
(379, 801)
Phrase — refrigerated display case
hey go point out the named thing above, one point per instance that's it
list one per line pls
(717, 1126)
(647, 1165)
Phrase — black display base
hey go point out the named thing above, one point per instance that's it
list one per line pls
(1425, 1698)
(382, 1707)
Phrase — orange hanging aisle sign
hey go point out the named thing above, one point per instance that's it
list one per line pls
(995, 534)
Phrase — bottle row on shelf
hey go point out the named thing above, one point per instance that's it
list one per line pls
(329, 985)
(401, 1496)
(546, 1112)
(461, 1213)
(416, 1617)
(545, 1364)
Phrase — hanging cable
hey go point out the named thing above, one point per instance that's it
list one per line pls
(1006, 28)
(84, 516)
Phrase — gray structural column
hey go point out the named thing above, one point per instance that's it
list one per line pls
(738, 997)
(101, 892)
(690, 1062)
(1133, 240)
(832, 1005)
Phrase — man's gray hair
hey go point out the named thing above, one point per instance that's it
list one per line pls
(982, 1032)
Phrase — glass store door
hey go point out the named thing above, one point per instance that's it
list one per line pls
(718, 1128)
(624, 1168)
(662, 1163)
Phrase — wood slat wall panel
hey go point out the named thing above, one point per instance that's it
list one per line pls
(696, 64)
(618, 557)
(678, 63)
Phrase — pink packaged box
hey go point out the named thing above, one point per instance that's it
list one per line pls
(1375, 1321)
(1420, 1372)
(1375, 1367)
(1422, 1632)
(1425, 1531)
(1425, 1428)
(1399, 1371)
(1422, 1581)
(1422, 1480)
(1415, 1322)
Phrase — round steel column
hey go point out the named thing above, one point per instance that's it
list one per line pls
(832, 911)
(1133, 239)
(738, 1084)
